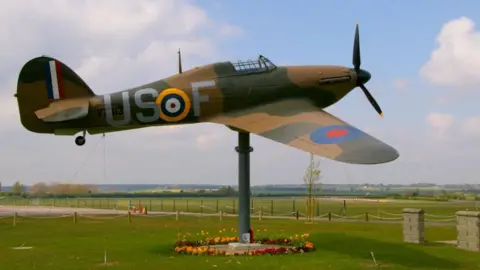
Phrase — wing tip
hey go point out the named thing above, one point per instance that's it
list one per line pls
(376, 155)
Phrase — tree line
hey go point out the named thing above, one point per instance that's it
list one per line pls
(59, 190)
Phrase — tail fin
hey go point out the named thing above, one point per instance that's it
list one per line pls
(42, 82)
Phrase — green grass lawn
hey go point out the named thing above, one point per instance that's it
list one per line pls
(146, 244)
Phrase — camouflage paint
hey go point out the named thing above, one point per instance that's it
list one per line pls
(283, 104)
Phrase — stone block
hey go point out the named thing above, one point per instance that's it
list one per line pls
(468, 230)
(413, 225)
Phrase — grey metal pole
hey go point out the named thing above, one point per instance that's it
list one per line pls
(243, 150)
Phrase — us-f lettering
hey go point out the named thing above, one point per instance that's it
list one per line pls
(142, 94)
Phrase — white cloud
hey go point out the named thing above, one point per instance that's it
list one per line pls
(450, 139)
(112, 45)
(208, 140)
(471, 126)
(440, 123)
(455, 62)
(401, 84)
(230, 30)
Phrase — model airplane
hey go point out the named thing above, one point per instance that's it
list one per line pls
(281, 103)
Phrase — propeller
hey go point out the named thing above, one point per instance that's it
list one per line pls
(363, 76)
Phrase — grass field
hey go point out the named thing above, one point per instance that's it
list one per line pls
(269, 206)
(146, 243)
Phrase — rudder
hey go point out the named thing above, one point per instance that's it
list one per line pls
(44, 80)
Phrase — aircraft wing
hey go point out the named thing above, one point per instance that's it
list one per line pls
(64, 110)
(300, 124)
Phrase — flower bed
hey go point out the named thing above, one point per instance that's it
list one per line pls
(202, 245)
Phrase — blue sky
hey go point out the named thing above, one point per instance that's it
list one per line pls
(396, 38)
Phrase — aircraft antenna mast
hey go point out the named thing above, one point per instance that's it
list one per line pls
(179, 62)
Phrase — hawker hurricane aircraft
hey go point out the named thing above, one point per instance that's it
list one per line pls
(281, 103)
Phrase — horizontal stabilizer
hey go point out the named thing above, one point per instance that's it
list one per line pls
(64, 110)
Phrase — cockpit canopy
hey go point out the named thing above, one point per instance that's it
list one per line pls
(262, 64)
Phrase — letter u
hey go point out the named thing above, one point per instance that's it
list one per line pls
(126, 110)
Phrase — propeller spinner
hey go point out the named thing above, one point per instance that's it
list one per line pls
(363, 76)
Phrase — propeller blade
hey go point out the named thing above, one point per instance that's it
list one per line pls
(356, 61)
(362, 75)
(372, 100)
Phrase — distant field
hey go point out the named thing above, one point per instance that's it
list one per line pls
(269, 206)
(58, 243)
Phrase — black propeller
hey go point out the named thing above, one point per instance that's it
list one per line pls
(363, 76)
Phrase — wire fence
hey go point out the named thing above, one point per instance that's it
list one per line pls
(297, 215)
(343, 207)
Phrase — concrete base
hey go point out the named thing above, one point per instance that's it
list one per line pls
(241, 248)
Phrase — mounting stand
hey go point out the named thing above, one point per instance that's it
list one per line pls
(243, 150)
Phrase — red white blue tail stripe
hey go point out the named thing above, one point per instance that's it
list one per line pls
(53, 80)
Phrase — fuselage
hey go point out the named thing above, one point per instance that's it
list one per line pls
(200, 93)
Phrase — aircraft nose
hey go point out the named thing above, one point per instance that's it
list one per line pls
(363, 76)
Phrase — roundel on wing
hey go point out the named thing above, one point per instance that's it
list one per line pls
(174, 104)
(335, 134)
